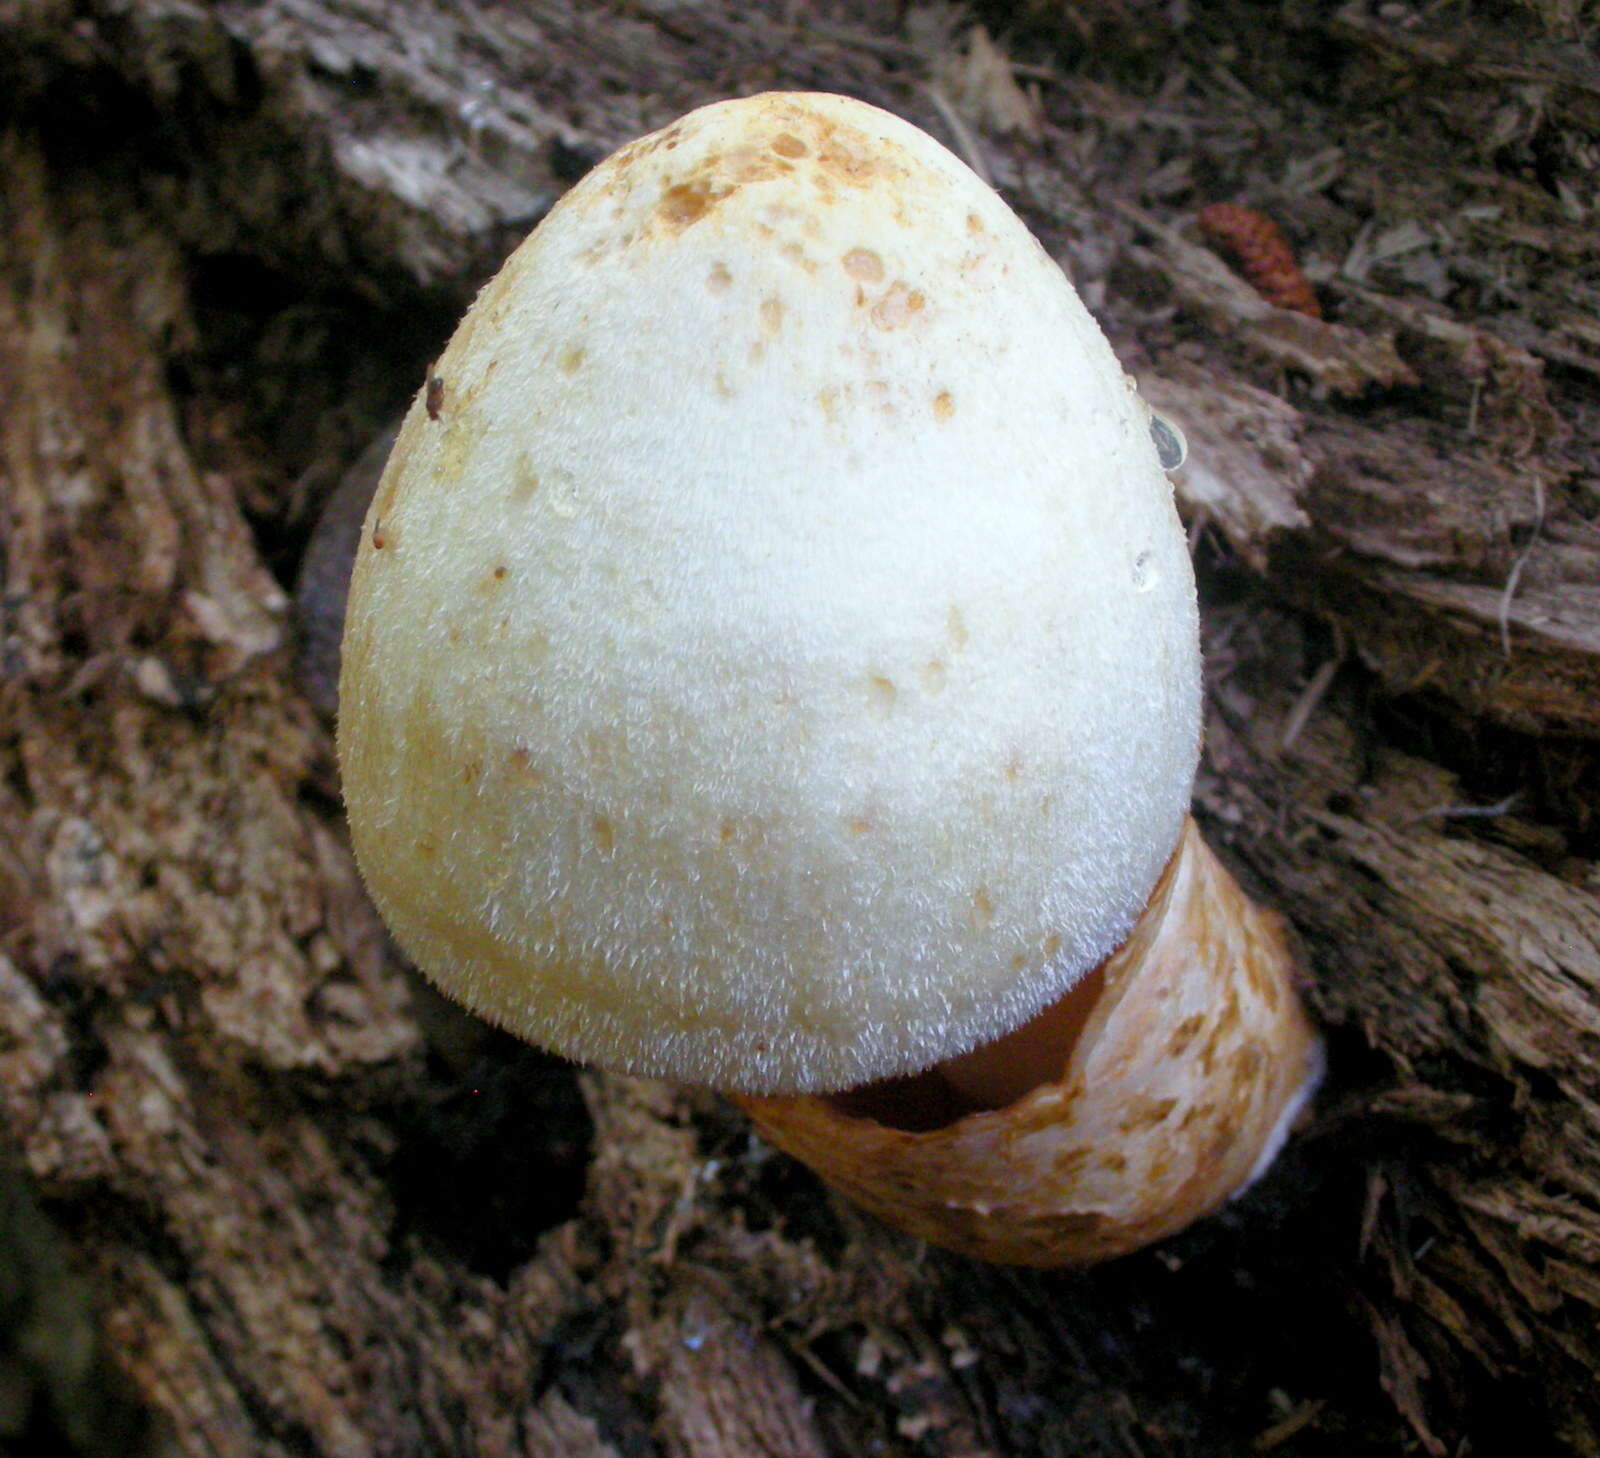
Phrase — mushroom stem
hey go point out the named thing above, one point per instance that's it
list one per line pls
(1185, 1074)
(999, 1073)
(992, 1076)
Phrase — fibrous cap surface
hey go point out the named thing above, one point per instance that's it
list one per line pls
(772, 655)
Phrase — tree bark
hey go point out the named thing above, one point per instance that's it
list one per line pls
(263, 1193)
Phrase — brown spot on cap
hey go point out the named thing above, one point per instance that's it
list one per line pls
(435, 397)
(863, 265)
(771, 313)
(524, 480)
(881, 695)
(785, 144)
(605, 835)
(571, 360)
(719, 279)
(899, 305)
(855, 165)
(685, 203)
(943, 405)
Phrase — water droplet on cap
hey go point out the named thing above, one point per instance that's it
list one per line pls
(1172, 450)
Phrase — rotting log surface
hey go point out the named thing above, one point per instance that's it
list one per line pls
(310, 1209)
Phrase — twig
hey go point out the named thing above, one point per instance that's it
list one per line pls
(1470, 812)
(1285, 1428)
(844, 35)
(961, 134)
(1307, 703)
(1515, 575)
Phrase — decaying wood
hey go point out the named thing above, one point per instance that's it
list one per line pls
(1334, 356)
(309, 1208)
(1453, 952)
(1496, 563)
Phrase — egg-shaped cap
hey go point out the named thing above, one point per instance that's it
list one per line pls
(772, 658)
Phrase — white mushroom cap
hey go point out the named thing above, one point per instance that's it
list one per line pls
(772, 659)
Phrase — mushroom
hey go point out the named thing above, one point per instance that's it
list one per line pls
(772, 664)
